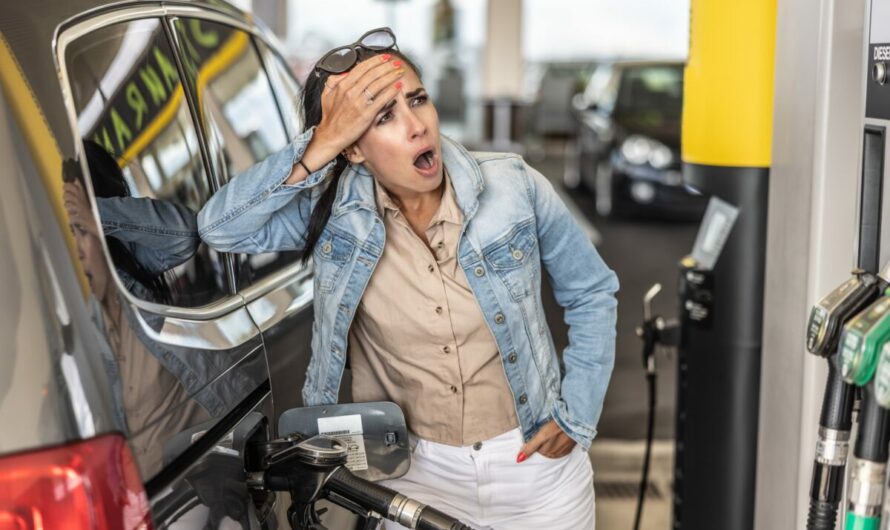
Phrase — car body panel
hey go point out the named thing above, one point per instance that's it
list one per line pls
(91, 346)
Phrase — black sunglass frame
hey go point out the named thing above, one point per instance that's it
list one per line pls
(354, 50)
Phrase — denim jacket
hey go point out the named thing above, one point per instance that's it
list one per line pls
(514, 223)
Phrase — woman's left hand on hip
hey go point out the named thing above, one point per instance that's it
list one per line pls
(551, 441)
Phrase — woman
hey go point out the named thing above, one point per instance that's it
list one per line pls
(427, 276)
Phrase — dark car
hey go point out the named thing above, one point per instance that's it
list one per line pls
(142, 374)
(628, 150)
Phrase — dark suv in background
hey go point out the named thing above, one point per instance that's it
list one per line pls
(628, 150)
(137, 363)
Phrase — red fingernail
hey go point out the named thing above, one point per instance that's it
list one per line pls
(398, 85)
(385, 57)
(521, 457)
(397, 63)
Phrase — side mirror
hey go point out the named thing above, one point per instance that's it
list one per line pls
(375, 435)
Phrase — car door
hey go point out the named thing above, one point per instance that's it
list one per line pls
(249, 112)
(187, 360)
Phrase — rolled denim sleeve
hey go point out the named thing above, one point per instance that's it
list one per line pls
(159, 234)
(257, 212)
(585, 287)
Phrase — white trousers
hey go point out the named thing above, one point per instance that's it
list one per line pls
(486, 489)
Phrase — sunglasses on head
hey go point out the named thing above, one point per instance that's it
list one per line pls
(343, 58)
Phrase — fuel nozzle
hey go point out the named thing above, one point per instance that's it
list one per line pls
(655, 330)
(862, 340)
(828, 318)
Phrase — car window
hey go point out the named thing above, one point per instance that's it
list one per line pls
(653, 93)
(238, 110)
(145, 165)
(287, 92)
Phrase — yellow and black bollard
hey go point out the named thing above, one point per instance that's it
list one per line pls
(726, 146)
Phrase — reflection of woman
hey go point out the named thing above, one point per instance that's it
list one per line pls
(145, 237)
(151, 403)
(427, 274)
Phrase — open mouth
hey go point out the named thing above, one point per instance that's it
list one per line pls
(425, 160)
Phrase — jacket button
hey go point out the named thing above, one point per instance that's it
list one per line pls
(477, 446)
(523, 399)
(517, 254)
(499, 318)
(512, 357)
(479, 271)
(327, 247)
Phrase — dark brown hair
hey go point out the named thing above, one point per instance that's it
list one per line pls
(311, 117)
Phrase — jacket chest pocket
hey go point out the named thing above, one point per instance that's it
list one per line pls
(330, 256)
(514, 258)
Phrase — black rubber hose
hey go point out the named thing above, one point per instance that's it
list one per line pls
(822, 516)
(874, 429)
(826, 492)
(650, 432)
(826, 486)
(379, 499)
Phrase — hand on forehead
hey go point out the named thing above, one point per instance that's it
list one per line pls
(362, 71)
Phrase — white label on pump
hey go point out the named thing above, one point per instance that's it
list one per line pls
(347, 429)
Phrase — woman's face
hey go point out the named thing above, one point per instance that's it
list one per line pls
(402, 148)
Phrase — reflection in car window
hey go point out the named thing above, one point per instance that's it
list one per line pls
(239, 112)
(142, 151)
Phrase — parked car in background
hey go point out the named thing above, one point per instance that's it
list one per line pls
(551, 85)
(628, 145)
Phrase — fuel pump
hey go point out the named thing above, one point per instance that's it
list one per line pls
(826, 322)
(862, 340)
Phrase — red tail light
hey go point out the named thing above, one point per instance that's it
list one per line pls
(88, 485)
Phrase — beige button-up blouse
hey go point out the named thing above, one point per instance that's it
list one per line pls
(419, 338)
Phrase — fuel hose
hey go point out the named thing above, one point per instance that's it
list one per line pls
(389, 503)
(869, 466)
(832, 448)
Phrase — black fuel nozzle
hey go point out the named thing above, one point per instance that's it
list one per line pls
(314, 468)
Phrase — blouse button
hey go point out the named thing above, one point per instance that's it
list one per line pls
(453, 389)
(439, 310)
(446, 349)
(431, 268)
(479, 272)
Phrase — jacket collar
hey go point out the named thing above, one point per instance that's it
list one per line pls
(356, 186)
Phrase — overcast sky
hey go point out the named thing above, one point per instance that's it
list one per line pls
(552, 29)
(582, 28)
